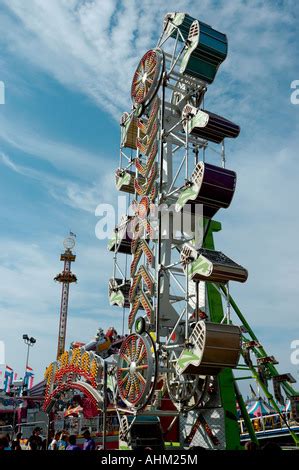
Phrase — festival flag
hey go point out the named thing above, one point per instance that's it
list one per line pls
(8, 378)
(29, 378)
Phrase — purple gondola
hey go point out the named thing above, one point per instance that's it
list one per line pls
(211, 186)
(207, 125)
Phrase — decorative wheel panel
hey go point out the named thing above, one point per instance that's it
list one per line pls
(136, 371)
(147, 77)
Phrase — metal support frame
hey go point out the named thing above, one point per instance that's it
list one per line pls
(172, 311)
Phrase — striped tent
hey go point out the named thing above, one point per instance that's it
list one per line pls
(37, 392)
(259, 408)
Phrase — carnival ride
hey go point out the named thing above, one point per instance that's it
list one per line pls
(267, 423)
(186, 333)
(83, 368)
(66, 277)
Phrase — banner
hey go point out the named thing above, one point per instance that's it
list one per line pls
(29, 378)
(8, 378)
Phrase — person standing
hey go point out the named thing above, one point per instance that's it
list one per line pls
(16, 443)
(72, 443)
(32, 445)
(35, 439)
(4, 442)
(89, 443)
(54, 441)
(62, 442)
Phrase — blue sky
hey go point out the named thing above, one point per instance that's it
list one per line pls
(67, 66)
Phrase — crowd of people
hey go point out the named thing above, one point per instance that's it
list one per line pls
(64, 441)
(57, 441)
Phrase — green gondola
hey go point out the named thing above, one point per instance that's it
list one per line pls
(206, 49)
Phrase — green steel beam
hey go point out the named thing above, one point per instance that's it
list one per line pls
(275, 406)
(225, 378)
(229, 391)
(245, 415)
(260, 352)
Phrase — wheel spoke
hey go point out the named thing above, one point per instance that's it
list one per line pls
(143, 354)
(137, 81)
(127, 387)
(133, 348)
(140, 376)
(131, 385)
(139, 348)
(151, 69)
(125, 357)
(143, 366)
(125, 378)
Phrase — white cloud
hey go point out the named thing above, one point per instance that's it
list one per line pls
(9, 163)
(78, 195)
(260, 231)
(94, 46)
(61, 155)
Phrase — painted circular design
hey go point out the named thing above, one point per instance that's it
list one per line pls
(147, 77)
(136, 370)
